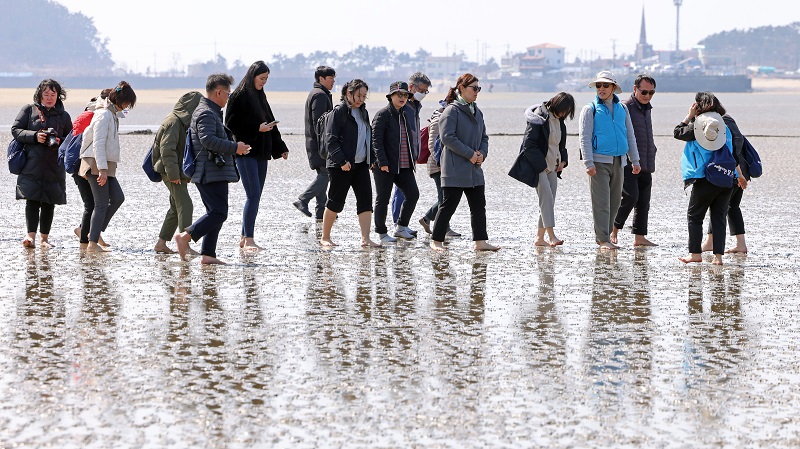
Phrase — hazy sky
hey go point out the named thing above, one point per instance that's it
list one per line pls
(173, 33)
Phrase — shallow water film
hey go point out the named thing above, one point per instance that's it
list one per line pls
(397, 347)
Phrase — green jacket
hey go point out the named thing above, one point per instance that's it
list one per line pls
(171, 138)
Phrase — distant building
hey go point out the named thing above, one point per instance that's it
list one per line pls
(535, 62)
(443, 67)
(644, 51)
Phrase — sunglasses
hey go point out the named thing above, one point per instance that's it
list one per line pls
(475, 88)
(401, 95)
(603, 85)
(647, 92)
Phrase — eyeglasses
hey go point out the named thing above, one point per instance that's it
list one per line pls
(603, 85)
(647, 93)
(401, 94)
(226, 92)
(420, 90)
(475, 88)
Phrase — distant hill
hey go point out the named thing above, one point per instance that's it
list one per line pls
(776, 46)
(44, 38)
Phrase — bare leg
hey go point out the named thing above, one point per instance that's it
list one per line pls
(608, 246)
(182, 242)
(717, 259)
(364, 220)
(691, 258)
(28, 241)
(438, 246)
(249, 244)
(94, 247)
(708, 245)
(640, 240)
(328, 217)
(483, 245)
(613, 235)
(162, 248)
(43, 241)
(208, 260)
(741, 246)
(554, 241)
(540, 241)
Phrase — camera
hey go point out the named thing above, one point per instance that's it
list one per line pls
(51, 138)
(218, 159)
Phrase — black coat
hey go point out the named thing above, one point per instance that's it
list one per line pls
(341, 135)
(532, 153)
(243, 116)
(386, 138)
(319, 101)
(42, 178)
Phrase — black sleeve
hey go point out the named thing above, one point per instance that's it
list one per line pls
(20, 129)
(684, 132)
(738, 139)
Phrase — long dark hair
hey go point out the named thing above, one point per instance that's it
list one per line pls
(258, 99)
(352, 86)
(562, 104)
(463, 81)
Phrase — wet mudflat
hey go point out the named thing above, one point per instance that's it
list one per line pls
(398, 347)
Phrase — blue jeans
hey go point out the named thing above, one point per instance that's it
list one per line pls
(254, 174)
(215, 199)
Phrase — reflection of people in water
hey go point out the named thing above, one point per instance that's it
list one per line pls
(619, 353)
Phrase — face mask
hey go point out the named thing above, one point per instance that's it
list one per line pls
(419, 96)
(122, 113)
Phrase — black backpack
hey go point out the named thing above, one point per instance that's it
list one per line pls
(319, 130)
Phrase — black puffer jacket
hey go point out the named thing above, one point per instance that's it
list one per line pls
(319, 101)
(643, 130)
(386, 138)
(42, 179)
(241, 119)
(341, 135)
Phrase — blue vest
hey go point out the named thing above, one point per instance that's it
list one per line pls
(695, 158)
(609, 136)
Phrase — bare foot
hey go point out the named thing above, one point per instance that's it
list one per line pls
(208, 260)
(241, 242)
(691, 258)
(737, 249)
(327, 242)
(94, 247)
(708, 245)
(27, 242)
(613, 236)
(83, 245)
(368, 243)
(192, 252)
(77, 232)
(717, 259)
(608, 246)
(45, 244)
(540, 242)
(483, 245)
(182, 242)
(554, 241)
(438, 246)
(641, 240)
(250, 245)
(162, 248)
(102, 242)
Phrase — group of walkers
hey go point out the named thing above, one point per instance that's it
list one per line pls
(343, 146)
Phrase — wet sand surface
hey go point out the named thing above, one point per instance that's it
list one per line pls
(399, 347)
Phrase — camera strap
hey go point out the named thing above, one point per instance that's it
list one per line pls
(42, 118)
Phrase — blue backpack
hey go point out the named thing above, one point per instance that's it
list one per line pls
(752, 159)
(721, 168)
(147, 166)
(437, 150)
(189, 155)
(69, 153)
(16, 157)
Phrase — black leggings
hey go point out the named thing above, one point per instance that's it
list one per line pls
(39, 215)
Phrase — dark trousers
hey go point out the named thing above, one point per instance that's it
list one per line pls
(38, 213)
(341, 181)
(707, 196)
(635, 196)
(107, 200)
(254, 175)
(88, 206)
(317, 189)
(735, 219)
(451, 196)
(407, 184)
(431, 214)
(215, 199)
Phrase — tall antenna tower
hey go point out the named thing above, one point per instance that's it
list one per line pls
(678, 4)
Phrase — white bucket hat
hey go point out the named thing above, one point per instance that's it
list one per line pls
(709, 130)
(606, 77)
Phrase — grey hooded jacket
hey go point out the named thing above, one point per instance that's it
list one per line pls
(462, 133)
